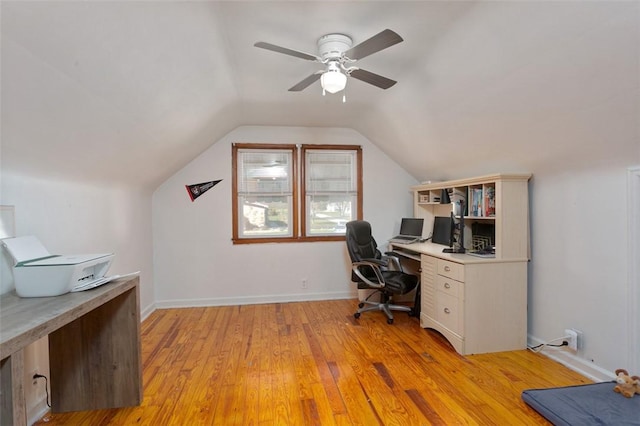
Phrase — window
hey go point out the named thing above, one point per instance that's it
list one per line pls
(295, 193)
(331, 189)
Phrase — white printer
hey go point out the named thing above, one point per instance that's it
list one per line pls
(37, 273)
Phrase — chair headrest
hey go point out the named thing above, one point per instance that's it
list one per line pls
(360, 231)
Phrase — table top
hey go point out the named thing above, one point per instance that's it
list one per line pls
(25, 320)
(435, 250)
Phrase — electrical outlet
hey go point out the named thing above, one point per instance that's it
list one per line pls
(39, 386)
(572, 338)
(579, 341)
(304, 283)
(32, 373)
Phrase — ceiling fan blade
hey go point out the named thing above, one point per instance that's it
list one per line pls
(307, 82)
(378, 42)
(279, 49)
(371, 78)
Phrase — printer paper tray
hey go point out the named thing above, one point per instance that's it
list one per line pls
(101, 281)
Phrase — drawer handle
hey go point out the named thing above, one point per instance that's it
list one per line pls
(447, 269)
(447, 285)
(447, 311)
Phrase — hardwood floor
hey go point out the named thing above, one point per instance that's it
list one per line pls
(312, 363)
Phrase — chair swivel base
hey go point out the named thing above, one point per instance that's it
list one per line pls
(381, 306)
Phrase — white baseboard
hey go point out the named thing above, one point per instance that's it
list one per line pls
(572, 361)
(38, 411)
(254, 300)
(147, 311)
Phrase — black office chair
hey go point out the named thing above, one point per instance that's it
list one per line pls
(372, 270)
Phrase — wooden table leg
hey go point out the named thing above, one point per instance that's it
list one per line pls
(13, 409)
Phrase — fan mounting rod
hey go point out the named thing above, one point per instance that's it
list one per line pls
(333, 46)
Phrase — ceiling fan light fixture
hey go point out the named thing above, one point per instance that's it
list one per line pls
(337, 53)
(333, 80)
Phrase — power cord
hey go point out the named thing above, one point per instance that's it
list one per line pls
(46, 386)
(540, 347)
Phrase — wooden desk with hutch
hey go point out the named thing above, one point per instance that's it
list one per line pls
(478, 304)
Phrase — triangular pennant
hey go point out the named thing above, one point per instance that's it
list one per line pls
(198, 189)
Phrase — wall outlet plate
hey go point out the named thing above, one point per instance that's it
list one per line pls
(30, 375)
(572, 338)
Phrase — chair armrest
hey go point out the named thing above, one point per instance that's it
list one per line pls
(394, 258)
(376, 269)
(380, 262)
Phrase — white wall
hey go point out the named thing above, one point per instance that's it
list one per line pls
(195, 261)
(578, 276)
(74, 218)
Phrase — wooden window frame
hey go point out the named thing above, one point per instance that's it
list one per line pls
(294, 187)
(298, 181)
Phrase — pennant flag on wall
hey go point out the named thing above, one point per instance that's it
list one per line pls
(198, 189)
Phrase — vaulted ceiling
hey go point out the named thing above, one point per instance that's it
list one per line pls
(132, 91)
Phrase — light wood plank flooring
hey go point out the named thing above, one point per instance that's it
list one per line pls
(312, 363)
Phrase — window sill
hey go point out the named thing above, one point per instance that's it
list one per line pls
(288, 240)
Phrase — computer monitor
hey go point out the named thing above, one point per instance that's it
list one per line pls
(411, 226)
(442, 230)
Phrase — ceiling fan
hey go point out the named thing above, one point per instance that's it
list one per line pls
(337, 53)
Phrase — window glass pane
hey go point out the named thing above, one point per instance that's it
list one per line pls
(331, 190)
(265, 216)
(328, 214)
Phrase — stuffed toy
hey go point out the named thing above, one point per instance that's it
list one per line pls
(627, 385)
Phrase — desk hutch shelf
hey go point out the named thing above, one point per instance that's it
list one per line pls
(500, 200)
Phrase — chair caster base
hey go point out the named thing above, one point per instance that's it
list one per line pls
(356, 315)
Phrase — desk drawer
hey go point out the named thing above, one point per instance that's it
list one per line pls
(451, 269)
(449, 312)
(449, 286)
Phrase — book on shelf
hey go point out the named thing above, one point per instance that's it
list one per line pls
(490, 201)
(476, 202)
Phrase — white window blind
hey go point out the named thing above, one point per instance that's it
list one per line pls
(265, 193)
(331, 190)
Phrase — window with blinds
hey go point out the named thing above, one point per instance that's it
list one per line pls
(331, 189)
(267, 194)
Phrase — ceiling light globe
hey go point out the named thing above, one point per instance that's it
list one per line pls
(333, 81)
